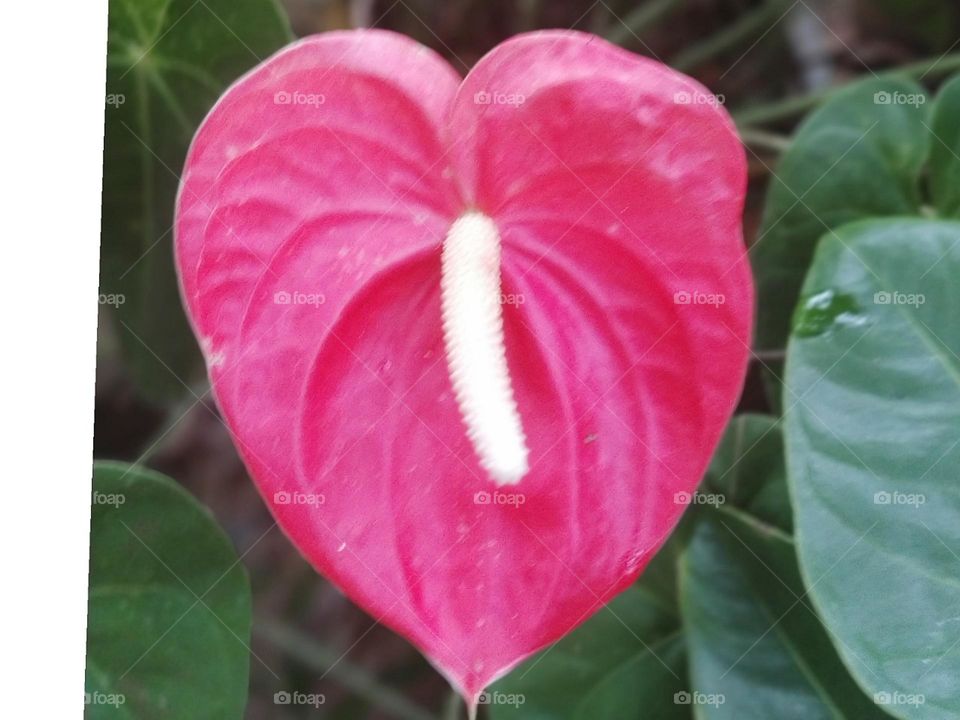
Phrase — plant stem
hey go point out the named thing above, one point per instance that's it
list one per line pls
(328, 661)
(744, 27)
(774, 355)
(789, 107)
(625, 30)
(763, 139)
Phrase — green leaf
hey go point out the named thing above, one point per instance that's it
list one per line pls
(747, 470)
(860, 155)
(873, 446)
(756, 648)
(625, 662)
(168, 62)
(168, 626)
(945, 158)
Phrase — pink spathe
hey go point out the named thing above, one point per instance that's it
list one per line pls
(310, 224)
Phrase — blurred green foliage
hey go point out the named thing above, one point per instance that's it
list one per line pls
(167, 63)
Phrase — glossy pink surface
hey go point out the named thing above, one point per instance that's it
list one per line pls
(328, 177)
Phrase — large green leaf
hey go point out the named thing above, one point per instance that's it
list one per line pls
(756, 648)
(873, 447)
(858, 156)
(626, 662)
(945, 156)
(168, 624)
(168, 61)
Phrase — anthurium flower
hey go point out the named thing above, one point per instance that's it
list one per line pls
(475, 339)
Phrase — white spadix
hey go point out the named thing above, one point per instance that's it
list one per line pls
(476, 356)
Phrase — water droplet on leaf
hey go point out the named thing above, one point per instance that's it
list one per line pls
(823, 311)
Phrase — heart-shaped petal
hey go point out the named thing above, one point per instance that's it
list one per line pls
(312, 217)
